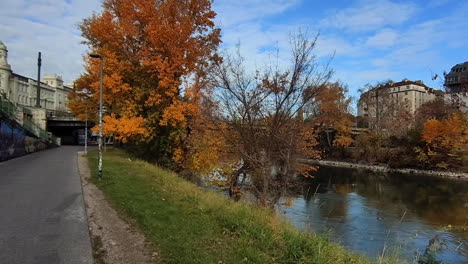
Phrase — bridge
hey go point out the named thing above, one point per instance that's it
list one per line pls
(67, 127)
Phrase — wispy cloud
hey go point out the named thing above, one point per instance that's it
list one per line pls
(49, 26)
(371, 39)
(232, 13)
(370, 15)
(383, 38)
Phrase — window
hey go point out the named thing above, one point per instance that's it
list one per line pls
(407, 87)
(406, 93)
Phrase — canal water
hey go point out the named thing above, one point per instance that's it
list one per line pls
(378, 214)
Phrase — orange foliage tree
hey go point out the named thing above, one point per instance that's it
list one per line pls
(446, 142)
(153, 51)
(331, 112)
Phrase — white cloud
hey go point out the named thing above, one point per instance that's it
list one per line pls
(370, 15)
(328, 45)
(383, 39)
(423, 44)
(233, 13)
(49, 26)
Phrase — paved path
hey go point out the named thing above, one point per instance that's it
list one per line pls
(42, 216)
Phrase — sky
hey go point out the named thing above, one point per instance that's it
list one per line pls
(366, 40)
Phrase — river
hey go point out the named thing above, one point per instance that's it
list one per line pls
(382, 214)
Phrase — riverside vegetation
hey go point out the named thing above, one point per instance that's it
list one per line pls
(192, 225)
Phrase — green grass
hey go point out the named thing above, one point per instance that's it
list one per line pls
(191, 225)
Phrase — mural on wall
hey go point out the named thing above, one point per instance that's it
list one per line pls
(12, 138)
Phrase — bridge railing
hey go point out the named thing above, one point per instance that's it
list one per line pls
(35, 129)
(60, 115)
(8, 108)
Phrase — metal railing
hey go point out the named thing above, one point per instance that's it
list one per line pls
(11, 111)
(8, 108)
(35, 129)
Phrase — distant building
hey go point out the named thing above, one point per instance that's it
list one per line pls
(456, 83)
(386, 100)
(457, 79)
(22, 90)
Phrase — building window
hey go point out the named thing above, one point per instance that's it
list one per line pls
(406, 93)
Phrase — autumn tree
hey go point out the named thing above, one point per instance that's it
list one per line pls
(330, 110)
(262, 111)
(446, 142)
(437, 109)
(153, 51)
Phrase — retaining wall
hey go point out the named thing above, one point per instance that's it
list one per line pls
(15, 142)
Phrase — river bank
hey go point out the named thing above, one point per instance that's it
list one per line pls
(386, 169)
(192, 225)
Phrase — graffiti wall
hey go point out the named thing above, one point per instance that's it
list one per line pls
(12, 138)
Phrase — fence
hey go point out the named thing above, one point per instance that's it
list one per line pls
(10, 110)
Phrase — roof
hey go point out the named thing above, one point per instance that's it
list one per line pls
(26, 79)
(463, 70)
(402, 83)
(454, 67)
(405, 82)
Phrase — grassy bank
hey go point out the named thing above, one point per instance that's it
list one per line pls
(191, 225)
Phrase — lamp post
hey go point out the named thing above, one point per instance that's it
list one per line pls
(86, 131)
(87, 95)
(97, 56)
(38, 90)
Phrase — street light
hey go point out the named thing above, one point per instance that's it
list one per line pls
(87, 94)
(97, 56)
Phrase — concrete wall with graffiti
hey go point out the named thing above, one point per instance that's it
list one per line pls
(14, 141)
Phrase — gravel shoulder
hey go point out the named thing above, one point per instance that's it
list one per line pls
(114, 240)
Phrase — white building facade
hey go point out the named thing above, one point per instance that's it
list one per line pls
(408, 94)
(22, 90)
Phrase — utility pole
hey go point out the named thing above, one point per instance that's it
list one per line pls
(38, 90)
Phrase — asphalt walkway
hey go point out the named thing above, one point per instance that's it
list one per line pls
(42, 215)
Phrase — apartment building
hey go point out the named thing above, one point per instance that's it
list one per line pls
(386, 100)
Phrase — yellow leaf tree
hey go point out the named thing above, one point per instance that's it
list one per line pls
(331, 113)
(446, 142)
(152, 51)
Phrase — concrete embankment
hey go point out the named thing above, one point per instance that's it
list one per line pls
(386, 169)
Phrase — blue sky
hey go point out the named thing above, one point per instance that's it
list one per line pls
(372, 40)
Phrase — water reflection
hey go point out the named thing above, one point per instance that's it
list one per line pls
(369, 212)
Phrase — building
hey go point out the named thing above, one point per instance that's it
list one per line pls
(387, 100)
(22, 91)
(456, 84)
(456, 81)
